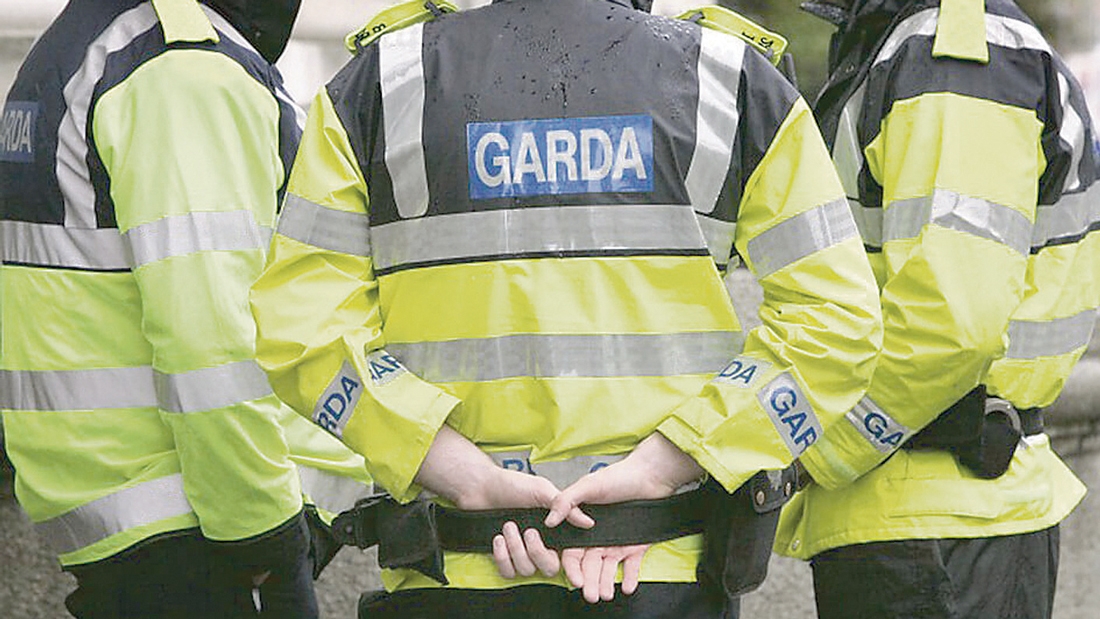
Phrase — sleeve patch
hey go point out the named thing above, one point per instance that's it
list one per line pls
(791, 413)
(339, 400)
(17, 125)
(743, 372)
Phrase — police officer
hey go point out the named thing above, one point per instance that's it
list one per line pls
(145, 148)
(963, 143)
(499, 268)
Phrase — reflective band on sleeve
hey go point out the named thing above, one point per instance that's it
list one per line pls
(719, 236)
(179, 235)
(520, 232)
(847, 153)
(77, 390)
(904, 219)
(1033, 339)
(140, 505)
(791, 413)
(561, 472)
(719, 70)
(51, 245)
(325, 228)
(549, 356)
(210, 388)
(881, 430)
(806, 233)
(1068, 219)
(339, 399)
(72, 171)
(869, 221)
(330, 492)
(402, 70)
(999, 30)
(1072, 134)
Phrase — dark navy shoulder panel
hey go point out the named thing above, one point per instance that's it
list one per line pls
(29, 189)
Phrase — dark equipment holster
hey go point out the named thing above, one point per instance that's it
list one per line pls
(982, 432)
(738, 529)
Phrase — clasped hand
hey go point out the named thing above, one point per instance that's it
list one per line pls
(654, 470)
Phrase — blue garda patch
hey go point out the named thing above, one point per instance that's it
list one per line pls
(791, 413)
(17, 125)
(339, 400)
(597, 154)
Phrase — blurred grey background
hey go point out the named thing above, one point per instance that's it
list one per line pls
(33, 587)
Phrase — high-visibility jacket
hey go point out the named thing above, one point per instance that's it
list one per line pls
(514, 220)
(144, 149)
(965, 148)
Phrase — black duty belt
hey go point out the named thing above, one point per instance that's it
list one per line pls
(633, 522)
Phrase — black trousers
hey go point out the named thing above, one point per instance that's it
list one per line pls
(184, 577)
(1009, 577)
(650, 601)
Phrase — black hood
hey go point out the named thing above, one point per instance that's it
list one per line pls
(265, 23)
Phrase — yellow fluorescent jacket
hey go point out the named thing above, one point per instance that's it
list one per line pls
(132, 403)
(436, 261)
(967, 155)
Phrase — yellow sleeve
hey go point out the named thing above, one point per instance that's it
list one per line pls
(320, 324)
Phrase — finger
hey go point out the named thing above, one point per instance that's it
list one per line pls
(501, 557)
(608, 571)
(517, 550)
(591, 565)
(545, 559)
(571, 563)
(632, 569)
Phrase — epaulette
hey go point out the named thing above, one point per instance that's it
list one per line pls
(183, 20)
(960, 31)
(397, 17)
(724, 20)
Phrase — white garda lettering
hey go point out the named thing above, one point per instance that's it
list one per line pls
(504, 172)
(24, 142)
(588, 172)
(528, 159)
(9, 129)
(629, 156)
(566, 156)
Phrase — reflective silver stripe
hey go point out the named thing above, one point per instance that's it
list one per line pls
(77, 390)
(806, 233)
(210, 388)
(226, 29)
(561, 472)
(1072, 133)
(194, 232)
(552, 356)
(1032, 339)
(58, 246)
(1071, 216)
(719, 69)
(522, 231)
(919, 24)
(868, 221)
(402, 70)
(847, 154)
(999, 30)
(139, 505)
(72, 149)
(329, 491)
(904, 219)
(326, 228)
(719, 236)
(882, 431)
(791, 413)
